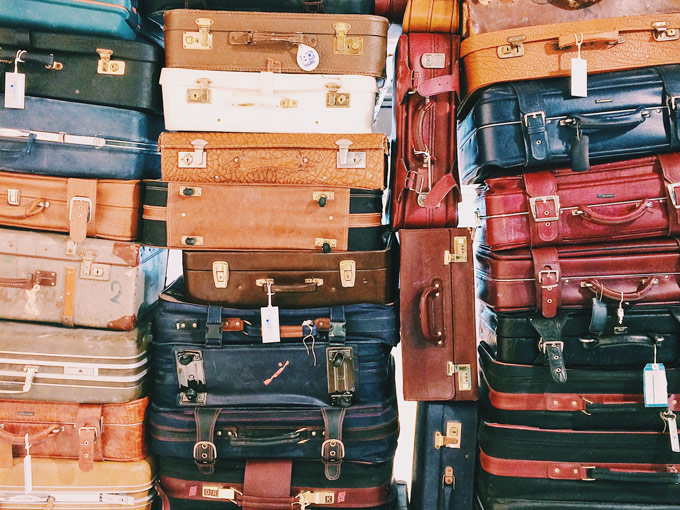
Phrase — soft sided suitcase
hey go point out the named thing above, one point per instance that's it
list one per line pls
(87, 432)
(106, 208)
(445, 452)
(536, 123)
(431, 16)
(612, 201)
(608, 44)
(302, 217)
(52, 363)
(95, 283)
(354, 161)
(426, 187)
(276, 42)
(390, 9)
(437, 299)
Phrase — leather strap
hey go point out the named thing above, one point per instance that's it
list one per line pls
(333, 449)
(88, 424)
(532, 120)
(81, 202)
(550, 343)
(213, 327)
(337, 333)
(670, 76)
(670, 168)
(266, 485)
(598, 317)
(446, 84)
(547, 280)
(439, 191)
(69, 296)
(205, 451)
(437, 415)
(553, 355)
(544, 207)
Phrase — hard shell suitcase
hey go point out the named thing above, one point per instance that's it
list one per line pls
(286, 482)
(276, 42)
(354, 161)
(612, 201)
(296, 217)
(445, 454)
(431, 16)
(550, 504)
(155, 8)
(61, 485)
(95, 283)
(437, 315)
(198, 100)
(39, 362)
(426, 184)
(546, 51)
(70, 139)
(86, 69)
(391, 9)
(110, 209)
(87, 432)
(536, 123)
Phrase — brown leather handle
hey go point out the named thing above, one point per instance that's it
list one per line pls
(599, 289)
(425, 326)
(567, 40)
(418, 132)
(37, 278)
(589, 214)
(251, 38)
(38, 437)
(267, 503)
(292, 288)
(10, 211)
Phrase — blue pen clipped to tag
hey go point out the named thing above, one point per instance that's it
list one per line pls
(655, 385)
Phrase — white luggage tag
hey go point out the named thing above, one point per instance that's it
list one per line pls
(269, 316)
(28, 474)
(15, 85)
(669, 418)
(307, 57)
(579, 72)
(655, 384)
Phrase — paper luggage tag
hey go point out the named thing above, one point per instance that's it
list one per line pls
(579, 72)
(269, 316)
(672, 430)
(655, 385)
(15, 89)
(307, 57)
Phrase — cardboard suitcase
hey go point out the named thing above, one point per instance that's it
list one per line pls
(432, 16)
(95, 283)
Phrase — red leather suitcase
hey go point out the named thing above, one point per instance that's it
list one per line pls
(549, 278)
(613, 201)
(426, 184)
(391, 9)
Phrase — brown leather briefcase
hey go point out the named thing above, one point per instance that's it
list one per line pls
(437, 304)
(276, 42)
(87, 432)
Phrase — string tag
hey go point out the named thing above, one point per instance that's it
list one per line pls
(269, 316)
(669, 418)
(655, 385)
(620, 312)
(307, 57)
(15, 85)
(579, 72)
(28, 474)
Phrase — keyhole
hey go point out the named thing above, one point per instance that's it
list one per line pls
(322, 201)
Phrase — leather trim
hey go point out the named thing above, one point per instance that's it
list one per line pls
(88, 424)
(155, 213)
(266, 484)
(81, 205)
(547, 280)
(69, 295)
(542, 185)
(364, 220)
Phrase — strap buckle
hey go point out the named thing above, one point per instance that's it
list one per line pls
(545, 199)
(533, 115)
(208, 455)
(548, 272)
(671, 187)
(88, 429)
(75, 199)
(543, 345)
(332, 451)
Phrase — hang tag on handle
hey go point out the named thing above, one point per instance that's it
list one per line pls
(28, 473)
(579, 72)
(673, 432)
(307, 57)
(15, 90)
(655, 385)
(269, 316)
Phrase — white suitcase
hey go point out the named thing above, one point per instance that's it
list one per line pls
(197, 100)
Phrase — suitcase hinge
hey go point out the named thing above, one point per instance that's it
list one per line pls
(340, 369)
(343, 45)
(335, 99)
(315, 498)
(89, 270)
(348, 159)
(460, 251)
(663, 33)
(464, 375)
(201, 94)
(191, 378)
(108, 66)
(348, 273)
(452, 437)
(514, 48)
(196, 159)
(220, 271)
(201, 40)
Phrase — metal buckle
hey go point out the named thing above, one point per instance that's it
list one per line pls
(533, 115)
(548, 272)
(548, 198)
(672, 102)
(81, 429)
(542, 345)
(671, 193)
(80, 199)
(588, 479)
(205, 445)
(328, 448)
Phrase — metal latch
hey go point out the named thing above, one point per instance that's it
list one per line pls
(13, 196)
(464, 375)
(448, 478)
(335, 99)
(191, 377)
(663, 33)
(315, 498)
(201, 94)
(348, 273)
(192, 240)
(316, 281)
(196, 159)
(261, 282)
(322, 197)
(89, 270)
(348, 159)
(514, 48)
(460, 251)
(344, 45)
(215, 492)
(107, 66)
(220, 270)
(201, 40)
(452, 437)
(340, 369)
(190, 191)
(433, 60)
(321, 242)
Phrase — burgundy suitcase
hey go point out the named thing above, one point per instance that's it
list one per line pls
(548, 278)
(612, 201)
(426, 185)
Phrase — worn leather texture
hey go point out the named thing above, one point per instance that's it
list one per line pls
(391, 9)
(431, 16)
(437, 316)
(548, 49)
(362, 52)
(281, 158)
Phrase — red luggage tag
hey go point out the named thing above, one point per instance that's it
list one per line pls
(579, 72)
(269, 316)
(15, 85)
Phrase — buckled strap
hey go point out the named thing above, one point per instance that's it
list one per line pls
(81, 202)
(205, 451)
(544, 207)
(213, 327)
(439, 85)
(547, 280)
(338, 328)
(553, 354)
(551, 344)
(439, 191)
(598, 317)
(68, 310)
(670, 76)
(267, 484)
(670, 167)
(532, 120)
(332, 449)
(89, 426)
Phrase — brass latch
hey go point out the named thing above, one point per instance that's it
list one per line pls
(220, 270)
(317, 281)
(195, 159)
(464, 375)
(308, 498)
(107, 66)
(663, 33)
(452, 437)
(448, 478)
(287, 102)
(344, 45)
(192, 240)
(261, 282)
(514, 48)
(190, 191)
(13, 196)
(335, 99)
(460, 251)
(321, 197)
(201, 40)
(191, 377)
(89, 270)
(348, 159)
(201, 94)
(319, 242)
(348, 272)
(340, 370)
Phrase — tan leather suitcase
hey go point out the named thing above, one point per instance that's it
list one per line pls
(546, 51)
(106, 208)
(276, 42)
(87, 432)
(347, 160)
(432, 16)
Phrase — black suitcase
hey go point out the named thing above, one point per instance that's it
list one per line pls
(444, 456)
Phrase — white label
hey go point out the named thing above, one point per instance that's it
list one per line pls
(15, 89)
(215, 492)
(579, 77)
(673, 431)
(307, 57)
(270, 324)
(655, 386)
(28, 474)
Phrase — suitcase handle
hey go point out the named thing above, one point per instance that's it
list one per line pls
(568, 40)
(249, 100)
(604, 341)
(28, 381)
(11, 211)
(612, 121)
(251, 38)
(597, 473)
(295, 437)
(292, 288)
(46, 59)
(428, 295)
(16, 153)
(589, 214)
(39, 278)
(600, 290)
(38, 437)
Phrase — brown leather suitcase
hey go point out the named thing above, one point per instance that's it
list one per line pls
(391, 9)
(437, 305)
(432, 16)
(87, 432)
(276, 42)
(298, 280)
(347, 160)
(110, 209)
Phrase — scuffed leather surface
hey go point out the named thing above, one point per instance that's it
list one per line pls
(431, 16)
(392, 9)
